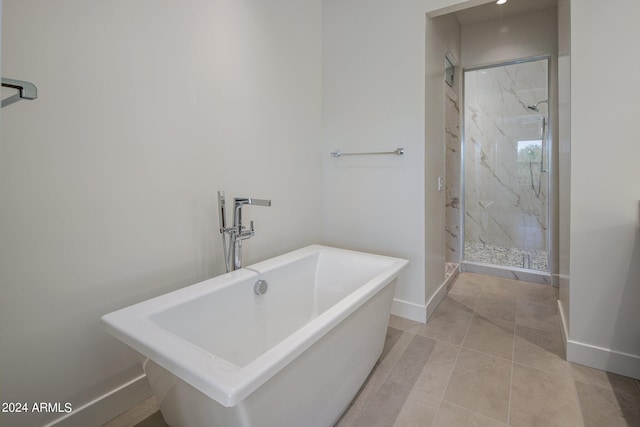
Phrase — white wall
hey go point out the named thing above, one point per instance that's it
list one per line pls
(108, 180)
(442, 37)
(509, 38)
(373, 100)
(374, 92)
(605, 186)
(564, 160)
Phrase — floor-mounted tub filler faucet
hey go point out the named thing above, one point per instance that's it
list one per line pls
(238, 232)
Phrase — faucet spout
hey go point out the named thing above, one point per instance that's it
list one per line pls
(239, 201)
(260, 202)
(239, 232)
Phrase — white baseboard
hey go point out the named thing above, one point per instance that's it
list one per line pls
(604, 359)
(409, 310)
(596, 357)
(108, 403)
(421, 313)
(437, 298)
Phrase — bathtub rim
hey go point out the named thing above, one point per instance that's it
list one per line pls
(217, 378)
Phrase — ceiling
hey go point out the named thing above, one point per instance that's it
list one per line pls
(492, 10)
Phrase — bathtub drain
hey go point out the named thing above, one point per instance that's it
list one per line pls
(261, 287)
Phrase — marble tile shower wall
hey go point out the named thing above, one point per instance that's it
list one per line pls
(452, 169)
(505, 188)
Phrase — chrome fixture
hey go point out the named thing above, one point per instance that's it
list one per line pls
(26, 90)
(397, 151)
(238, 232)
(535, 107)
(260, 287)
(543, 127)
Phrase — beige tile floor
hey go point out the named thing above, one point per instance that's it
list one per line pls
(491, 355)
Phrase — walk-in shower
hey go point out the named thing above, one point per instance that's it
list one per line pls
(506, 169)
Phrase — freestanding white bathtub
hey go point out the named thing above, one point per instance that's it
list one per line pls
(218, 354)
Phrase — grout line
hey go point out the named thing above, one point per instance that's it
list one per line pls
(459, 351)
(577, 396)
(455, 362)
(489, 354)
(579, 402)
(513, 359)
(513, 349)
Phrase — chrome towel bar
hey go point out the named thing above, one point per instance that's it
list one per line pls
(26, 90)
(397, 151)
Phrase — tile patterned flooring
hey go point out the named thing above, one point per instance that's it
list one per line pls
(491, 355)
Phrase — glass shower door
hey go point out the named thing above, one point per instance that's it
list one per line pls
(506, 165)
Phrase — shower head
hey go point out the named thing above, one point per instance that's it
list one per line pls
(535, 107)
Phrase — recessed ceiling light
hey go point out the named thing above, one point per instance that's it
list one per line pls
(501, 1)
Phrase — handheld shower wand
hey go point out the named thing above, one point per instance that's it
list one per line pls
(223, 228)
(543, 128)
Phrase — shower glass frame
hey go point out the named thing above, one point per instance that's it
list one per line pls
(543, 276)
